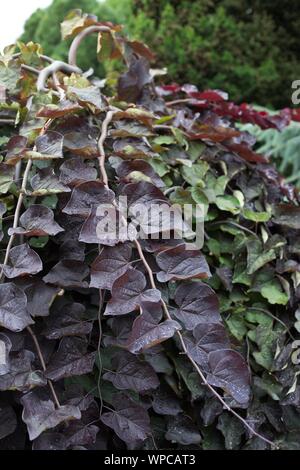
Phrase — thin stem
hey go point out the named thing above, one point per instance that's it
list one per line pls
(101, 158)
(167, 315)
(16, 216)
(42, 361)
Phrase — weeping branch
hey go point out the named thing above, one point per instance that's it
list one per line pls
(79, 38)
(102, 138)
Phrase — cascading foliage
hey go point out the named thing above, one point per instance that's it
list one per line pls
(128, 342)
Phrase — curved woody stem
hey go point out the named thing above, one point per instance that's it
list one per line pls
(79, 38)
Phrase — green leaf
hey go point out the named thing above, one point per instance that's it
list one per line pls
(228, 203)
(273, 292)
(196, 173)
(237, 326)
(256, 216)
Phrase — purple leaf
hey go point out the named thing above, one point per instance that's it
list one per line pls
(50, 145)
(13, 311)
(111, 264)
(147, 331)
(22, 261)
(69, 274)
(21, 375)
(74, 171)
(128, 293)
(39, 413)
(39, 296)
(181, 263)
(132, 374)
(230, 372)
(71, 359)
(87, 196)
(128, 169)
(207, 337)
(197, 303)
(8, 421)
(67, 319)
(129, 421)
(46, 182)
(37, 221)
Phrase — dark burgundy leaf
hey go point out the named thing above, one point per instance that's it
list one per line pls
(21, 375)
(89, 97)
(15, 149)
(46, 182)
(230, 372)
(111, 264)
(71, 359)
(37, 221)
(63, 108)
(50, 145)
(132, 82)
(8, 421)
(207, 337)
(7, 173)
(40, 413)
(128, 293)
(197, 303)
(67, 319)
(81, 143)
(22, 261)
(106, 226)
(132, 374)
(69, 274)
(129, 421)
(181, 430)
(165, 403)
(287, 215)
(87, 196)
(13, 308)
(147, 331)
(130, 170)
(74, 171)
(39, 296)
(181, 263)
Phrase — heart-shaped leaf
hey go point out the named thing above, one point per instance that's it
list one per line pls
(128, 293)
(181, 263)
(40, 414)
(69, 274)
(147, 331)
(111, 264)
(37, 221)
(13, 311)
(87, 196)
(197, 303)
(230, 372)
(129, 421)
(132, 374)
(22, 261)
(71, 359)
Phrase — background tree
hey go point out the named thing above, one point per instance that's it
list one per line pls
(249, 49)
(44, 27)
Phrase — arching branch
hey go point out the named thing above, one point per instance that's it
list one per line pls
(79, 38)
